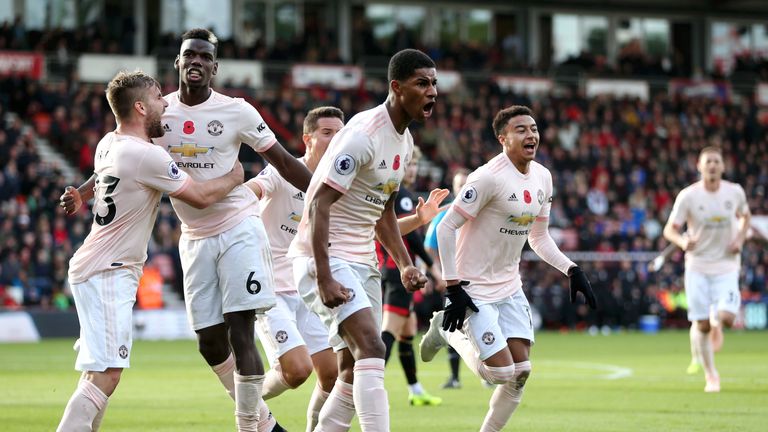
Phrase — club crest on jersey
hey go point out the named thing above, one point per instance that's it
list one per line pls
(122, 351)
(469, 195)
(540, 196)
(215, 128)
(344, 164)
(488, 338)
(728, 205)
(173, 170)
(281, 336)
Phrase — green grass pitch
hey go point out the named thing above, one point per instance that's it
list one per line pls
(621, 382)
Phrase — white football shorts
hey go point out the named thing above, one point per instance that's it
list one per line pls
(497, 321)
(363, 280)
(105, 310)
(703, 291)
(227, 272)
(288, 325)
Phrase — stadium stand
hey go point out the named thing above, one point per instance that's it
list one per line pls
(618, 161)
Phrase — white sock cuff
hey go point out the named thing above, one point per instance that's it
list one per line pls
(524, 366)
(369, 366)
(497, 375)
(93, 393)
(319, 389)
(258, 379)
(226, 366)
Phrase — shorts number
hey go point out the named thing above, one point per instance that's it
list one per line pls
(111, 183)
(253, 286)
(530, 318)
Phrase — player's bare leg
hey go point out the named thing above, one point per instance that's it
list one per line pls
(86, 407)
(507, 396)
(702, 341)
(716, 334)
(695, 366)
(339, 409)
(324, 363)
(361, 334)
(292, 370)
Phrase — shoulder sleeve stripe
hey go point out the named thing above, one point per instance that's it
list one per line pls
(463, 213)
(335, 185)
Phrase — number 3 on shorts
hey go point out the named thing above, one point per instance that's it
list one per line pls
(253, 286)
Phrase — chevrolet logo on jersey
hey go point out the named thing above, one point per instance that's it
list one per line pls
(388, 187)
(523, 220)
(189, 150)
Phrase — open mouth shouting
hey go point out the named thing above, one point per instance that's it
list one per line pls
(427, 109)
(529, 148)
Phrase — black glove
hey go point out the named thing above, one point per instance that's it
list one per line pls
(579, 282)
(453, 317)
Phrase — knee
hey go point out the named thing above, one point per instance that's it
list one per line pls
(703, 326)
(727, 319)
(522, 372)
(370, 348)
(213, 346)
(327, 379)
(297, 373)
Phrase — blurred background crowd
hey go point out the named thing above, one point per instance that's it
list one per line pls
(617, 163)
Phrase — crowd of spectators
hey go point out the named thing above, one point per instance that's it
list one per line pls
(617, 166)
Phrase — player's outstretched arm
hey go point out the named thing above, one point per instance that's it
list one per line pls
(425, 211)
(388, 234)
(202, 194)
(544, 246)
(72, 199)
(331, 292)
(288, 166)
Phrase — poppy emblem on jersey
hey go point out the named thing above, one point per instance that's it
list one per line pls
(173, 170)
(488, 338)
(344, 164)
(469, 195)
(189, 127)
(215, 128)
(281, 336)
(122, 351)
(527, 196)
(540, 196)
(396, 163)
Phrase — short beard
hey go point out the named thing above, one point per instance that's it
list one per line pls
(155, 128)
